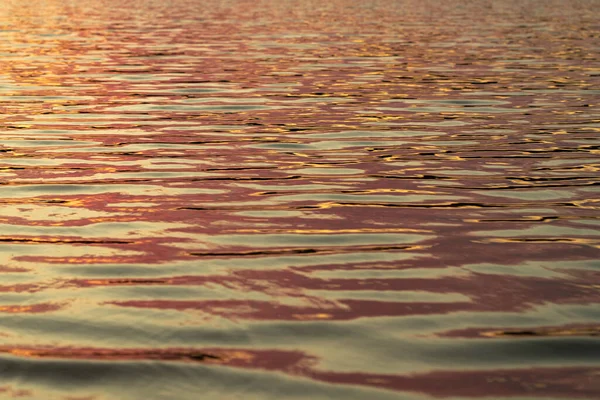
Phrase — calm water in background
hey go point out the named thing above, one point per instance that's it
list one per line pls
(299, 199)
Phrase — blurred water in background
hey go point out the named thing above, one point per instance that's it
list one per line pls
(299, 199)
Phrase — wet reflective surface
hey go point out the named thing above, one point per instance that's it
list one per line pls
(299, 199)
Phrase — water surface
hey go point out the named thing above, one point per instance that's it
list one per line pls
(299, 199)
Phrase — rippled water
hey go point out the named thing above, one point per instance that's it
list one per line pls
(299, 199)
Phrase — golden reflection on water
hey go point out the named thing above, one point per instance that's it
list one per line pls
(275, 199)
